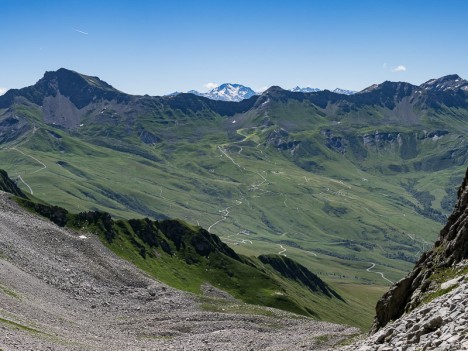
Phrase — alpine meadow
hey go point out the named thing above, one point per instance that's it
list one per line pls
(353, 187)
(234, 176)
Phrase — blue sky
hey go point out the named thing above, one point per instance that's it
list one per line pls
(157, 47)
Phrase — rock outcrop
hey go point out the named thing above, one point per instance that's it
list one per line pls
(7, 185)
(440, 324)
(449, 250)
(428, 309)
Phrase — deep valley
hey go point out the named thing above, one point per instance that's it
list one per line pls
(352, 187)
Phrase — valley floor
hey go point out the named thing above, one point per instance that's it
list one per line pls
(60, 290)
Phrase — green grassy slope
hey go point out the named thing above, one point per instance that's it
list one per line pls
(188, 257)
(338, 192)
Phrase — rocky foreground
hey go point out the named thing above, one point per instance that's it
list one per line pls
(62, 290)
(428, 309)
(441, 324)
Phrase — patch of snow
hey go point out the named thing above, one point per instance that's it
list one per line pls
(344, 91)
(307, 89)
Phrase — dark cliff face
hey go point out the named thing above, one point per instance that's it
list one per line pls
(449, 250)
(291, 269)
(7, 185)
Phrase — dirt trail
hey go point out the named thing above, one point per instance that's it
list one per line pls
(35, 159)
(380, 273)
(225, 214)
(30, 189)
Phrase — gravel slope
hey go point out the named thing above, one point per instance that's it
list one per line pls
(62, 292)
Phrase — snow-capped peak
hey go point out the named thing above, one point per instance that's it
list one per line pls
(450, 82)
(227, 92)
(238, 92)
(298, 89)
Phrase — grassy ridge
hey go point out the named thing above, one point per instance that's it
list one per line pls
(187, 257)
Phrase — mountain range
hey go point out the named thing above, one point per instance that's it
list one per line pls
(352, 187)
(238, 92)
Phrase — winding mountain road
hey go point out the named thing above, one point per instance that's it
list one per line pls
(225, 214)
(283, 250)
(380, 273)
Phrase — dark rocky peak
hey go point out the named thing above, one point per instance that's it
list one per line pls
(450, 91)
(320, 98)
(447, 83)
(390, 88)
(189, 103)
(80, 89)
(448, 256)
(275, 89)
(71, 82)
(277, 93)
(387, 94)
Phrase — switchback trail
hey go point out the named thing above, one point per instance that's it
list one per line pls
(35, 159)
(380, 273)
(283, 250)
(225, 214)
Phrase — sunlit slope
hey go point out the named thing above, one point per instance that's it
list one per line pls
(257, 197)
(353, 187)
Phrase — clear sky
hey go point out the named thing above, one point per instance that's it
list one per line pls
(157, 47)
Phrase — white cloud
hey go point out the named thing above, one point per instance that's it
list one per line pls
(3, 90)
(211, 85)
(399, 68)
(80, 31)
(384, 66)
